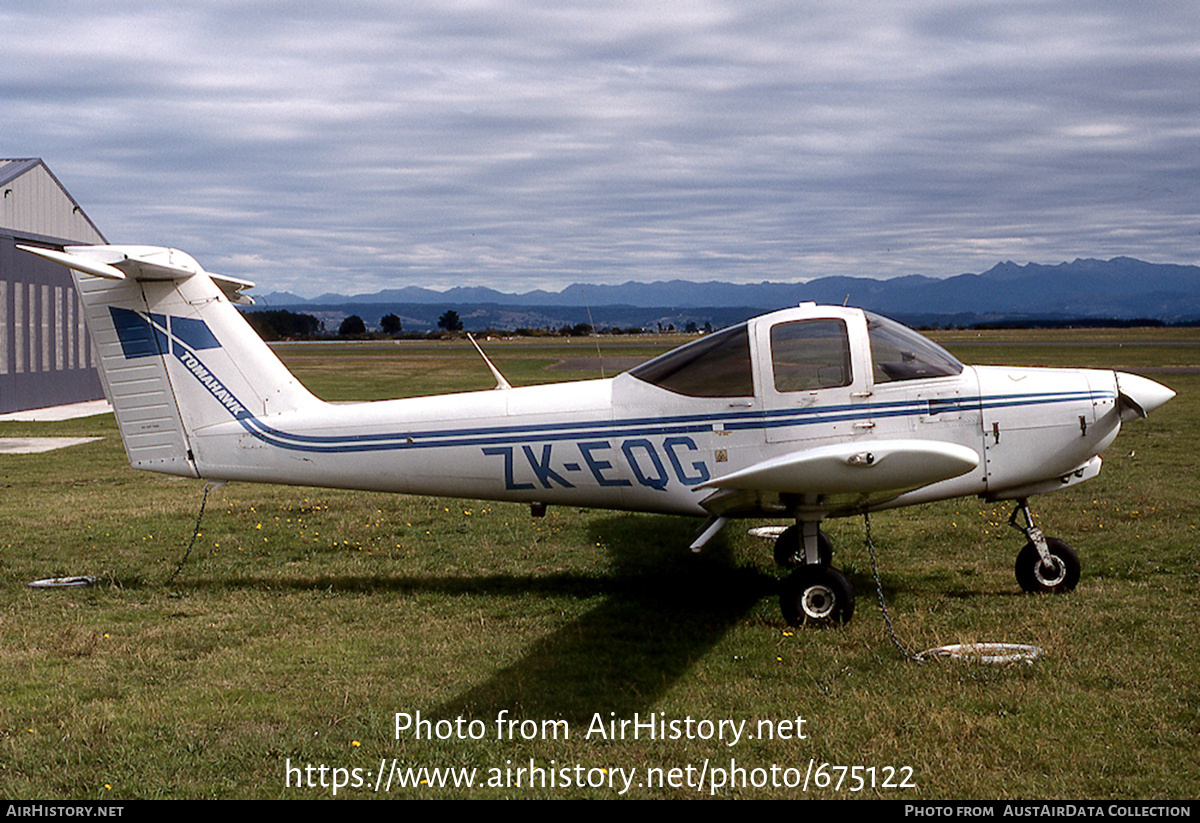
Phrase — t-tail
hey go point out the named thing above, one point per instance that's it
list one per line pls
(174, 354)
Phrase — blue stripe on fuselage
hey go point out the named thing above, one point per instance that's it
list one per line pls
(632, 427)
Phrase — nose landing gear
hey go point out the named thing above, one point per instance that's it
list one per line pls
(1046, 564)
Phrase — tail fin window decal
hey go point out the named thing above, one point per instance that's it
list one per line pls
(144, 336)
(136, 334)
(193, 333)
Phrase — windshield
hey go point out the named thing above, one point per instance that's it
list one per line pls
(899, 353)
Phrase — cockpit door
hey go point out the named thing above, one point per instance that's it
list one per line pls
(811, 378)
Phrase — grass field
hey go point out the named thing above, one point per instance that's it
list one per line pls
(305, 620)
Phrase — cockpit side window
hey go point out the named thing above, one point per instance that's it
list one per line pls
(717, 365)
(810, 354)
(899, 353)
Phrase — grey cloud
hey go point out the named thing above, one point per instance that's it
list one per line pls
(368, 145)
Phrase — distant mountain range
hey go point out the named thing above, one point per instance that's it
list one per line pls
(1122, 288)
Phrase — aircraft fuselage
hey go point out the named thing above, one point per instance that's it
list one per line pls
(624, 443)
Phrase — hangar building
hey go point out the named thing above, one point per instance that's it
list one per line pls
(46, 354)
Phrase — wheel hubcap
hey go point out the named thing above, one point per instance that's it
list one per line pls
(818, 602)
(1050, 573)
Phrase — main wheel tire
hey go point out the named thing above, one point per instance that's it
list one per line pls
(817, 595)
(789, 553)
(1060, 575)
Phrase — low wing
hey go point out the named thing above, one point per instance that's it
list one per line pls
(880, 467)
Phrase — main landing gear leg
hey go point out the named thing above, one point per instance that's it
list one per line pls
(815, 593)
(1046, 564)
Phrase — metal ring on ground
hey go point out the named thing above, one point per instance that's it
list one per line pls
(985, 652)
(62, 582)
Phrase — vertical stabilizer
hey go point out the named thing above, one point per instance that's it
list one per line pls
(174, 354)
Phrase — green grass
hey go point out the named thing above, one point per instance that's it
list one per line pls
(305, 619)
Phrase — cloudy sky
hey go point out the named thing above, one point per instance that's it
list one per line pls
(353, 146)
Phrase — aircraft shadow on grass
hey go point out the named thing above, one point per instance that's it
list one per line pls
(662, 611)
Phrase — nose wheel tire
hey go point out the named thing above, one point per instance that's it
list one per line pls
(1059, 575)
(817, 595)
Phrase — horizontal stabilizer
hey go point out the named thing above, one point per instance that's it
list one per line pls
(232, 288)
(866, 468)
(79, 262)
(139, 263)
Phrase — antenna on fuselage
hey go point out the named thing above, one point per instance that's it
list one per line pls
(501, 383)
(592, 323)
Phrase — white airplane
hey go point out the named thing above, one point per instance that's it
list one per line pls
(806, 413)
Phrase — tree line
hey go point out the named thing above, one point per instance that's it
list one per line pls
(281, 324)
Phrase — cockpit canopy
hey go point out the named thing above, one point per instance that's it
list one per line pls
(807, 353)
(716, 365)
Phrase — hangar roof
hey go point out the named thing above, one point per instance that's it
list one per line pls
(32, 201)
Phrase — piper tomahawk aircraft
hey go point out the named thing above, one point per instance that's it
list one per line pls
(806, 413)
